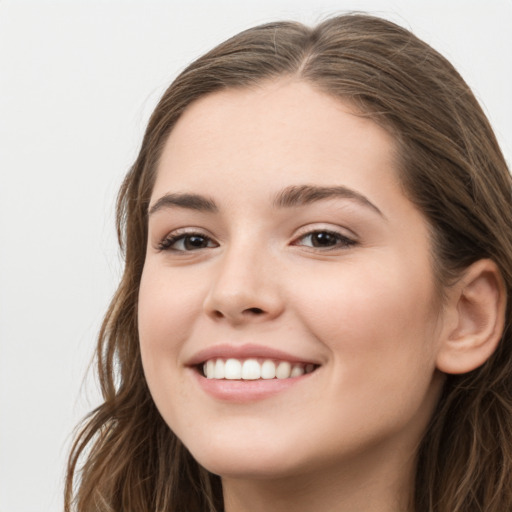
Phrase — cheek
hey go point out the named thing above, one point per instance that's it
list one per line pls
(376, 320)
(381, 331)
(167, 310)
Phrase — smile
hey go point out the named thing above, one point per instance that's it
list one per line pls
(254, 369)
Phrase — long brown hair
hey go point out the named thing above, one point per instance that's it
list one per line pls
(125, 458)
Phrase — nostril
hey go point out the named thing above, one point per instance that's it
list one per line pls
(249, 311)
(255, 311)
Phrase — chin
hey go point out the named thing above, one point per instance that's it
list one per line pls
(244, 467)
(246, 460)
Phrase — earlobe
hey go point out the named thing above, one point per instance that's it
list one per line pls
(478, 302)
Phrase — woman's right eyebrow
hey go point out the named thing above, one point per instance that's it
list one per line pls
(184, 200)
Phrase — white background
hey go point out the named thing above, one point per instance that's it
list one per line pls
(78, 80)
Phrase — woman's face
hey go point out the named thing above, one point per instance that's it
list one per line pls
(280, 239)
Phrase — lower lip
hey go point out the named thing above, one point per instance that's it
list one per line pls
(240, 391)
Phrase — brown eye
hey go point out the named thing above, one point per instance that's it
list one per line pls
(325, 240)
(194, 242)
(187, 242)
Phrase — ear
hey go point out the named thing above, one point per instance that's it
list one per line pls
(476, 310)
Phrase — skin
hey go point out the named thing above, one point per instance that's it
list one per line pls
(365, 310)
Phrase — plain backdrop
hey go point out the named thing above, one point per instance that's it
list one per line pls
(78, 80)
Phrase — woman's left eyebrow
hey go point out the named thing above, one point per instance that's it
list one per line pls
(301, 195)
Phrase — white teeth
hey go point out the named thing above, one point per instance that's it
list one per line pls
(283, 370)
(252, 369)
(268, 370)
(219, 372)
(233, 369)
(210, 369)
(297, 371)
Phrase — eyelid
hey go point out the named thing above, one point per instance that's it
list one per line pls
(344, 235)
(165, 243)
(331, 228)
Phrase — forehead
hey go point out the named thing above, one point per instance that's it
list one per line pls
(278, 131)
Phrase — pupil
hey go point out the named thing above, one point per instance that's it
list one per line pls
(322, 239)
(195, 242)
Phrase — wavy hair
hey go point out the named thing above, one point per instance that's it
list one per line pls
(125, 458)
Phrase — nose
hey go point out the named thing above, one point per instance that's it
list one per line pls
(243, 288)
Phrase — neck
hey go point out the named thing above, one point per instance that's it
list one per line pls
(385, 486)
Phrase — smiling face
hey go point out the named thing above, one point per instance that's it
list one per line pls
(280, 240)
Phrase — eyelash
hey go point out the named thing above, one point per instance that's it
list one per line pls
(167, 243)
(341, 241)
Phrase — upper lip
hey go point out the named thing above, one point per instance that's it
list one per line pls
(245, 352)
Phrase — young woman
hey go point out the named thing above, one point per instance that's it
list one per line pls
(313, 313)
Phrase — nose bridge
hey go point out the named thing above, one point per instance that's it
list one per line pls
(242, 286)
